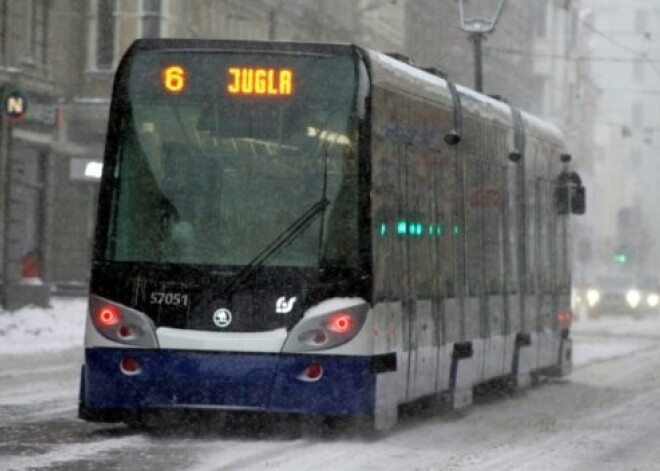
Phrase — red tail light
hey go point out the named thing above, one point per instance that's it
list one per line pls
(327, 325)
(121, 324)
(108, 316)
(125, 332)
(341, 323)
(313, 372)
(129, 366)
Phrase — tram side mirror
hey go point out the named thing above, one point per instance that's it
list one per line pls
(570, 194)
(515, 157)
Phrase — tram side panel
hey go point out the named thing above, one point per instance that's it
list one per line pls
(432, 299)
(427, 120)
(493, 201)
(546, 256)
(465, 280)
(388, 255)
(548, 168)
(408, 232)
(512, 277)
(532, 241)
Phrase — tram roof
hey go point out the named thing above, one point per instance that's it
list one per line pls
(393, 73)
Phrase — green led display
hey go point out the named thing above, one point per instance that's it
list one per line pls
(415, 229)
(620, 258)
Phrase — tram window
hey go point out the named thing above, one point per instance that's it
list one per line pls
(224, 175)
(139, 195)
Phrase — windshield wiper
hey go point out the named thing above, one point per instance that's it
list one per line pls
(287, 236)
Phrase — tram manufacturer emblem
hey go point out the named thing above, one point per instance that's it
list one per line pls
(222, 318)
(284, 306)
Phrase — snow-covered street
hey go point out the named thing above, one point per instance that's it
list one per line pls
(604, 416)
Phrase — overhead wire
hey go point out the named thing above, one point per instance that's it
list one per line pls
(506, 50)
(640, 56)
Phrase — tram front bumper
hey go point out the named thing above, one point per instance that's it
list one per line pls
(117, 380)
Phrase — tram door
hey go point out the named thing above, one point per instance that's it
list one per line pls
(420, 315)
(493, 226)
(405, 230)
(484, 217)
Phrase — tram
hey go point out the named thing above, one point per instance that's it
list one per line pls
(319, 230)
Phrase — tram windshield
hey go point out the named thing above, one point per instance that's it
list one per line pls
(217, 155)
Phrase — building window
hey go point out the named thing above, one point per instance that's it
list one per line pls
(151, 18)
(36, 34)
(105, 34)
(4, 32)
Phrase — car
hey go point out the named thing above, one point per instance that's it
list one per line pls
(621, 295)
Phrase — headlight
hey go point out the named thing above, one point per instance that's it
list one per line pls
(122, 324)
(653, 300)
(327, 325)
(593, 296)
(633, 297)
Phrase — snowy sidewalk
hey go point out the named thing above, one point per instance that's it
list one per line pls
(34, 330)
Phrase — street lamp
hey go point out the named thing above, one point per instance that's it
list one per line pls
(477, 29)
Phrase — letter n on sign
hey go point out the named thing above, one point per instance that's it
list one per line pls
(15, 105)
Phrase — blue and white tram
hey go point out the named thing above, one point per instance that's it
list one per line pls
(322, 230)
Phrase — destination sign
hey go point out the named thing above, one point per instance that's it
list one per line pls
(239, 81)
(260, 81)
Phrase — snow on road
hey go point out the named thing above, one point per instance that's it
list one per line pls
(604, 416)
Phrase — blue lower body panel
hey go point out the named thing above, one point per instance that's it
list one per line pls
(231, 381)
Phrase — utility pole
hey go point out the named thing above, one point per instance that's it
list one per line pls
(477, 29)
(477, 39)
(13, 104)
(4, 201)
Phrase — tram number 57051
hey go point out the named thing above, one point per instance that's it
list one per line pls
(169, 299)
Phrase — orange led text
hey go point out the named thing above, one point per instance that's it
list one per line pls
(260, 81)
(174, 78)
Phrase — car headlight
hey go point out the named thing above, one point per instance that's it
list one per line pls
(653, 300)
(633, 297)
(593, 296)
